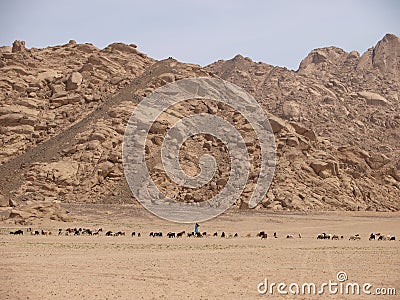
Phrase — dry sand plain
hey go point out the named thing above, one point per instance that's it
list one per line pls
(100, 267)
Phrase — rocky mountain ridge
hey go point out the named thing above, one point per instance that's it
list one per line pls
(63, 112)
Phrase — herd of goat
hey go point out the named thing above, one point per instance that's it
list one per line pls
(261, 234)
(372, 236)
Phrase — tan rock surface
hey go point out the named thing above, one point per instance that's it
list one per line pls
(336, 123)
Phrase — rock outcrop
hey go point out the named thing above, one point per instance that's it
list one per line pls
(63, 112)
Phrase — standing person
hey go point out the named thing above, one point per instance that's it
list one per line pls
(196, 228)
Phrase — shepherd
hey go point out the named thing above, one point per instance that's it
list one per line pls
(196, 228)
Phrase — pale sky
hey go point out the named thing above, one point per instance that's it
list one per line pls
(203, 31)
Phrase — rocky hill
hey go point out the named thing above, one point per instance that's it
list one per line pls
(63, 112)
(351, 105)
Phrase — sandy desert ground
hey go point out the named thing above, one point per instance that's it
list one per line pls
(100, 267)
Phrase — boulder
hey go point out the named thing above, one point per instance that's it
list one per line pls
(159, 127)
(20, 87)
(395, 173)
(65, 100)
(5, 49)
(97, 136)
(292, 141)
(48, 76)
(386, 53)
(115, 80)
(93, 145)
(17, 119)
(377, 160)
(15, 69)
(300, 129)
(61, 172)
(57, 90)
(74, 81)
(291, 110)
(277, 124)
(373, 98)
(353, 55)
(88, 67)
(221, 182)
(325, 169)
(12, 203)
(321, 56)
(18, 109)
(18, 46)
(105, 168)
(22, 129)
(122, 48)
(20, 214)
(167, 77)
(31, 103)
